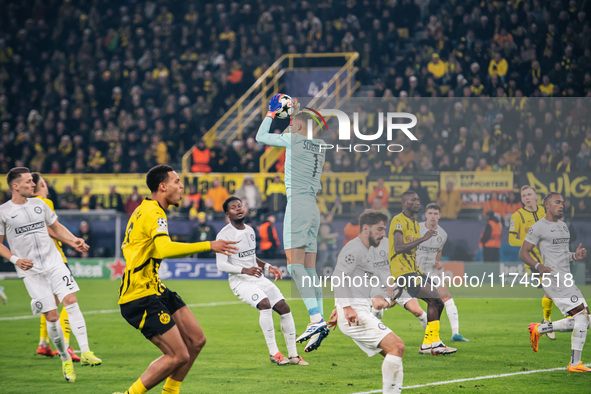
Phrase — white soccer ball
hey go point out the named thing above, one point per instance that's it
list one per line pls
(289, 107)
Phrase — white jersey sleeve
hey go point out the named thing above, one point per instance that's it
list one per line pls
(533, 236)
(25, 228)
(553, 240)
(245, 257)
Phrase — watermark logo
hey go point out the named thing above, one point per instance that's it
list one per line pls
(344, 124)
(317, 117)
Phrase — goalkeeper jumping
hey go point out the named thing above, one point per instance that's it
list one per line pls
(303, 169)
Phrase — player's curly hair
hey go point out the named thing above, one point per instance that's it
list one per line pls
(371, 217)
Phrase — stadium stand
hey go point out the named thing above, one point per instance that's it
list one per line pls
(117, 88)
(113, 87)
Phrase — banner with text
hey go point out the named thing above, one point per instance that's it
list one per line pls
(349, 186)
(396, 184)
(476, 187)
(574, 186)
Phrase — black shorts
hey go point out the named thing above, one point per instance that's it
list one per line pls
(152, 315)
(414, 282)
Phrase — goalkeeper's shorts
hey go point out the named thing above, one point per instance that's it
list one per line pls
(301, 223)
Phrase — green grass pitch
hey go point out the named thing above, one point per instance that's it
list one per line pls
(235, 359)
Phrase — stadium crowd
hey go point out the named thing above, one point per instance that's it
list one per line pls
(116, 87)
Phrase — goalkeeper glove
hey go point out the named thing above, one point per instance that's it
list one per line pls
(274, 105)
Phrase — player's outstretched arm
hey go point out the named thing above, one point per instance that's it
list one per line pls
(263, 134)
(61, 233)
(223, 247)
(169, 249)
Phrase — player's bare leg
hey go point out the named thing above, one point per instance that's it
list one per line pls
(175, 355)
(392, 373)
(380, 304)
(413, 307)
(194, 340)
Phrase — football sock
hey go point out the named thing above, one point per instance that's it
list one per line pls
(547, 307)
(65, 323)
(452, 315)
(578, 337)
(289, 332)
(423, 320)
(137, 388)
(171, 386)
(392, 374)
(427, 341)
(563, 325)
(266, 323)
(315, 318)
(435, 341)
(43, 336)
(545, 328)
(298, 273)
(57, 337)
(317, 289)
(78, 326)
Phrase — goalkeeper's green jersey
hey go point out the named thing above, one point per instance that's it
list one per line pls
(304, 159)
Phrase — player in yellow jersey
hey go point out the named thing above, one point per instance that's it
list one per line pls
(149, 306)
(41, 192)
(405, 236)
(521, 221)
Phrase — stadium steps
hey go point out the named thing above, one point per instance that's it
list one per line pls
(251, 107)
